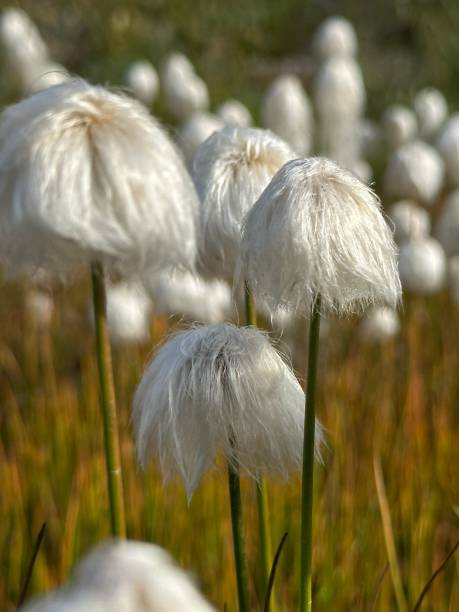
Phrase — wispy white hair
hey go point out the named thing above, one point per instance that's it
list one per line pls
(126, 576)
(142, 79)
(230, 170)
(448, 145)
(339, 96)
(234, 114)
(195, 131)
(454, 278)
(447, 229)
(87, 174)
(39, 307)
(22, 42)
(335, 37)
(422, 265)
(431, 110)
(218, 388)
(399, 125)
(379, 324)
(128, 313)
(415, 172)
(410, 221)
(184, 91)
(286, 111)
(317, 229)
(183, 293)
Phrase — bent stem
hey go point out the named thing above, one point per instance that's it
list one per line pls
(264, 533)
(238, 538)
(108, 403)
(308, 462)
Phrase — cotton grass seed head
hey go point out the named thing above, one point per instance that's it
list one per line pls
(128, 313)
(317, 229)
(448, 145)
(380, 324)
(87, 174)
(447, 229)
(410, 221)
(335, 38)
(195, 131)
(142, 79)
(431, 110)
(423, 266)
(415, 171)
(399, 126)
(185, 92)
(230, 170)
(287, 112)
(219, 388)
(234, 114)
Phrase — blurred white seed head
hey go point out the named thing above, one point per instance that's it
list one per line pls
(230, 170)
(195, 131)
(399, 126)
(128, 313)
(87, 174)
(362, 170)
(317, 229)
(448, 145)
(379, 324)
(370, 137)
(422, 266)
(415, 172)
(39, 307)
(23, 45)
(287, 112)
(142, 79)
(447, 229)
(188, 295)
(335, 37)
(126, 576)
(184, 91)
(410, 221)
(219, 388)
(42, 76)
(234, 114)
(454, 278)
(339, 96)
(431, 111)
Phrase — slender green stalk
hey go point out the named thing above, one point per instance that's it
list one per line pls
(264, 532)
(108, 403)
(238, 539)
(308, 463)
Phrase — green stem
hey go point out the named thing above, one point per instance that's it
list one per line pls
(265, 542)
(108, 403)
(308, 463)
(238, 538)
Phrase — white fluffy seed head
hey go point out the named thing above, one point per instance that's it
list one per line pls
(422, 265)
(128, 314)
(42, 76)
(453, 269)
(142, 79)
(448, 145)
(219, 388)
(335, 38)
(234, 114)
(317, 229)
(363, 171)
(87, 174)
(415, 172)
(184, 91)
(410, 221)
(287, 112)
(195, 131)
(188, 295)
(23, 45)
(39, 308)
(75, 600)
(230, 170)
(447, 229)
(399, 126)
(379, 324)
(431, 111)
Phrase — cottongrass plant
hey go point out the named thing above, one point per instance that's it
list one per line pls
(196, 129)
(128, 313)
(316, 241)
(87, 175)
(431, 111)
(447, 228)
(399, 126)
(235, 114)
(448, 145)
(142, 79)
(415, 171)
(423, 266)
(222, 389)
(185, 93)
(380, 324)
(125, 576)
(410, 221)
(335, 37)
